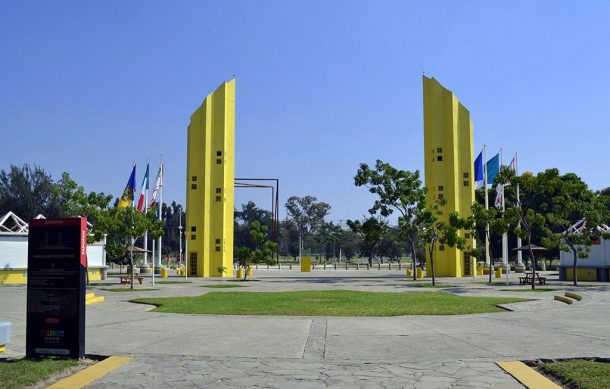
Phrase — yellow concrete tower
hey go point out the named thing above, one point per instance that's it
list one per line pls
(448, 152)
(210, 175)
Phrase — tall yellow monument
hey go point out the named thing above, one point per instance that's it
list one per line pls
(210, 174)
(448, 151)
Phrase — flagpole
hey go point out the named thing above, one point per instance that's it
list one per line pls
(505, 234)
(145, 210)
(519, 253)
(487, 259)
(160, 210)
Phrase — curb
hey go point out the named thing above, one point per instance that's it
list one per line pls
(90, 374)
(529, 377)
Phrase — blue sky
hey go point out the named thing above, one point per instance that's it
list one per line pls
(88, 87)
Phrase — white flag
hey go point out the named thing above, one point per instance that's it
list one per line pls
(158, 185)
(499, 195)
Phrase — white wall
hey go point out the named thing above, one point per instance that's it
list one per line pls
(14, 252)
(598, 257)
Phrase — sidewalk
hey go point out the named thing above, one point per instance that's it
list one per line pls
(176, 350)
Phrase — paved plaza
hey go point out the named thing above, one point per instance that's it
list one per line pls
(183, 351)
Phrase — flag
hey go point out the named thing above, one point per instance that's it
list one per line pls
(127, 197)
(478, 171)
(513, 164)
(499, 195)
(142, 190)
(493, 168)
(158, 185)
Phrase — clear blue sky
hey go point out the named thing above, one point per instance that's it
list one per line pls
(88, 87)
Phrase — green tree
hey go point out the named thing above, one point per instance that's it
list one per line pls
(123, 227)
(553, 203)
(249, 213)
(438, 232)
(263, 248)
(327, 237)
(73, 201)
(373, 230)
(307, 214)
(400, 191)
(350, 244)
(27, 192)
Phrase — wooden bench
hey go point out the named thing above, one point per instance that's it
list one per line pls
(127, 279)
(528, 279)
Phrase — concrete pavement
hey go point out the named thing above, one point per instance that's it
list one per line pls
(177, 350)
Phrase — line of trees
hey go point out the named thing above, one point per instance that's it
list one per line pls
(549, 204)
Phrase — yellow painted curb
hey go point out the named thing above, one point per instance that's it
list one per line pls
(527, 376)
(2, 348)
(89, 295)
(563, 299)
(97, 299)
(574, 296)
(90, 374)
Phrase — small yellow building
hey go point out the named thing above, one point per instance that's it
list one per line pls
(449, 169)
(210, 184)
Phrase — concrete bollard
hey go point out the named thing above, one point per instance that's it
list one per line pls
(368, 267)
(279, 266)
(290, 268)
(324, 265)
(335, 265)
(345, 265)
(389, 265)
(379, 266)
(399, 266)
(267, 267)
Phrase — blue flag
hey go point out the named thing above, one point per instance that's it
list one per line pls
(493, 168)
(478, 171)
(127, 197)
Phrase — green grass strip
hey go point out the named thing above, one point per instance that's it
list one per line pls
(172, 282)
(223, 286)
(529, 290)
(329, 303)
(437, 286)
(20, 373)
(580, 374)
(127, 289)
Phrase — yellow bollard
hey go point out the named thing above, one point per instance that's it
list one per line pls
(240, 273)
(420, 273)
(305, 264)
(249, 271)
(163, 272)
(409, 273)
(499, 272)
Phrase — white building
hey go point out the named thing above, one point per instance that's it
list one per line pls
(596, 267)
(14, 252)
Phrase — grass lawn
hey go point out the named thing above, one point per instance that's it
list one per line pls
(328, 303)
(26, 372)
(222, 286)
(127, 289)
(579, 374)
(529, 290)
(172, 282)
(438, 286)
